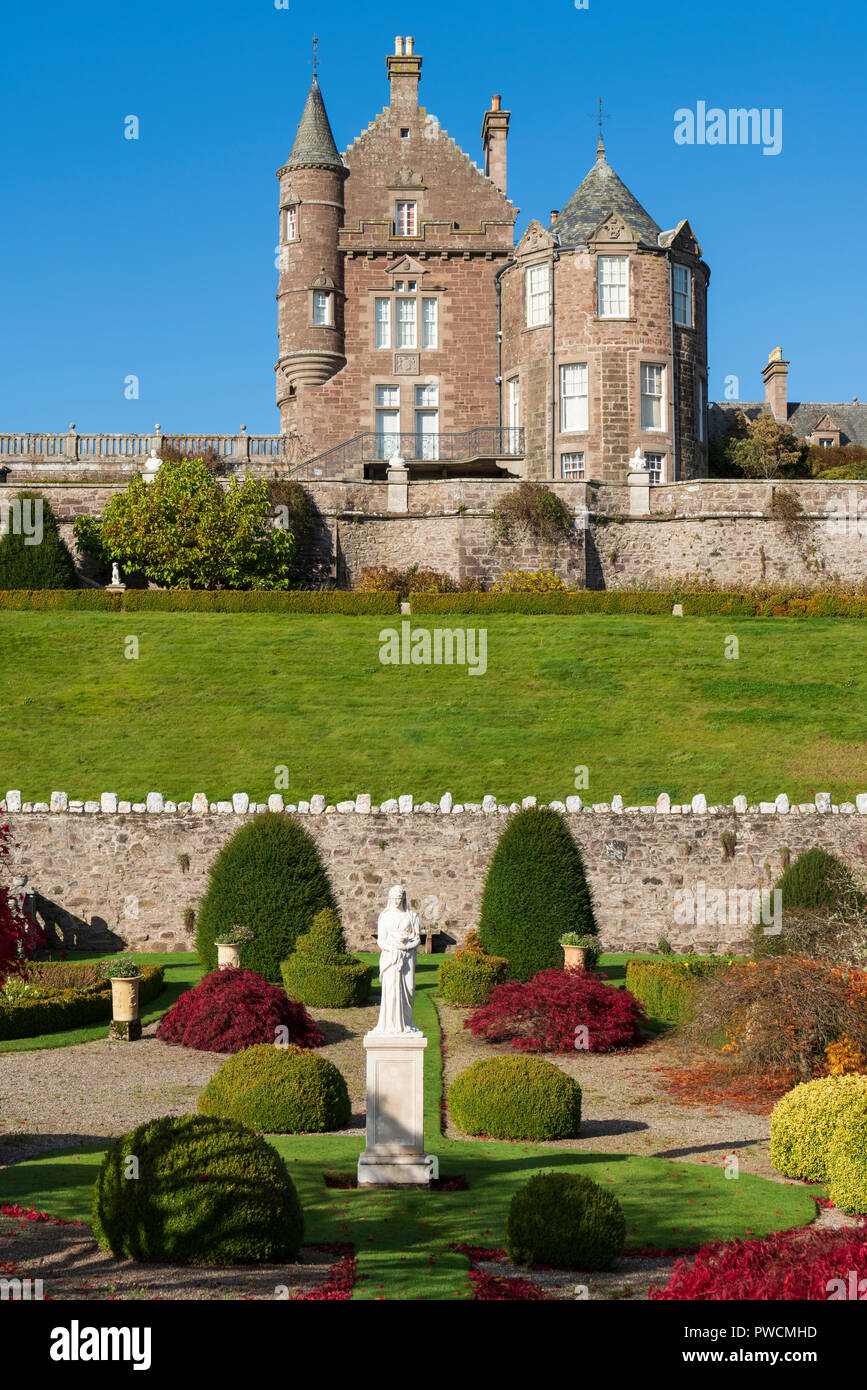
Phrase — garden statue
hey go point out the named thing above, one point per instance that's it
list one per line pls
(115, 575)
(398, 936)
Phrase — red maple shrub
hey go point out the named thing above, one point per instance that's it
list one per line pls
(785, 1266)
(547, 1013)
(232, 1009)
(19, 937)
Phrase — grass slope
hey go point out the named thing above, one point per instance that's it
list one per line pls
(402, 1239)
(649, 704)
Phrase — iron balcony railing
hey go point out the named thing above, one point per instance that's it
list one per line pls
(484, 442)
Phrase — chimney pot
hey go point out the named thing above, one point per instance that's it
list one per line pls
(398, 47)
(495, 102)
(555, 213)
(409, 47)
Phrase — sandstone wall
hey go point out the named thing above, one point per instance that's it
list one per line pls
(112, 878)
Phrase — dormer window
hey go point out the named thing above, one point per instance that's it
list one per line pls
(613, 298)
(406, 219)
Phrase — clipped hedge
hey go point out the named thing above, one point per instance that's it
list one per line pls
(467, 978)
(279, 1091)
(516, 1098)
(70, 1008)
(201, 601)
(320, 972)
(847, 1163)
(710, 603)
(268, 877)
(666, 988)
(204, 1191)
(566, 1221)
(804, 1124)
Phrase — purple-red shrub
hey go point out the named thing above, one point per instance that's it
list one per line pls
(546, 1012)
(788, 1265)
(232, 1009)
(15, 931)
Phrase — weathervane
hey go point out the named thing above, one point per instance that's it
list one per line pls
(315, 58)
(599, 117)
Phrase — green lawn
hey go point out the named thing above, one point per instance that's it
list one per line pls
(217, 702)
(402, 1239)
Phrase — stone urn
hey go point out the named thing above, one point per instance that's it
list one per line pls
(125, 1022)
(228, 957)
(575, 957)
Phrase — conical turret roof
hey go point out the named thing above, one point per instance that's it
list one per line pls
(602, 192)
(314, 143)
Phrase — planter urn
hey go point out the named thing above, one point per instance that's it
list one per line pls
(125, 1022)
(228, 957)
(575, 957)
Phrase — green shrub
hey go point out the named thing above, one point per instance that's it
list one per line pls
(205, 1191)
(847, 1163)
(467, 978)
(203, 601)
(516, 1098)
(46, 565)
(58, 1010)
(278, 1090)
(268, 877)
(535, 890)
(320, 972)
(666, 989)
(804, 1123)
(702, 603)
(567, 1221)
(811, 888)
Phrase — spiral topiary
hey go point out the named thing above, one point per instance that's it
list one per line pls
(232, 1009)
(268, 877)
(535, 890)
(195, 1190)
(279, 1091)
(567, 1221)
(804, 1123)
(320, 972)
(516, 1098)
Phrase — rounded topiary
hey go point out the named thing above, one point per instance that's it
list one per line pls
(467, 978)
(567, 1221)
(268, 877)
(48, 564)
(847, 1163)
(320, 972)
(535, 890)
(279, 1091)
(233, 1009)
(516, 1098)
(195, 1190)
(804, 1123)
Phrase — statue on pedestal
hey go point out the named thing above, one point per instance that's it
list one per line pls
(398, 936)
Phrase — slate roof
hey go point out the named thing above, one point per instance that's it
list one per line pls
(600, 193)
(314, 143)
(803, 417)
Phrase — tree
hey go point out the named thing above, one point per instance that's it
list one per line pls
(186, 530)
(33, 554)
(769, 450)
(268, 877)
(535, 890)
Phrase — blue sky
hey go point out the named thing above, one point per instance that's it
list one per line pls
(155, 257)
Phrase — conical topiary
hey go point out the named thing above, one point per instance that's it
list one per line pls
(810, 888)
(815, 879)
(321, 972)
(268, 877)
(535, 891)
(35, 558)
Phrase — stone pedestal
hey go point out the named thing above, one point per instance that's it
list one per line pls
(394, 1155)
(398, 489)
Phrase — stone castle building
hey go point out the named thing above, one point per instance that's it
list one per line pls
(410, 324)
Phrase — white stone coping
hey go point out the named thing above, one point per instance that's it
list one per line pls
(109, 804)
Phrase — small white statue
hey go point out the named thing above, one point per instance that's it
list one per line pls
(115, 576)
(638, 463)
(396, 461)
(398, 936)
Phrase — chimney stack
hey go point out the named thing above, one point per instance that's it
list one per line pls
(776, 392)
(495, 130)
(404, 71)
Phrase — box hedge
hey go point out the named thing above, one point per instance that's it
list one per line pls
(516, 1098)
(321, 972)
(703, 603)
(846, 1164)
(279, 1090)
(202, 601)
(467, 977)
(70, 1008)
(565, 1221)
(666, 988)
(205, 1191)
(804, 1124)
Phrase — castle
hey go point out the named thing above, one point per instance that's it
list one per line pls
(409, 323)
